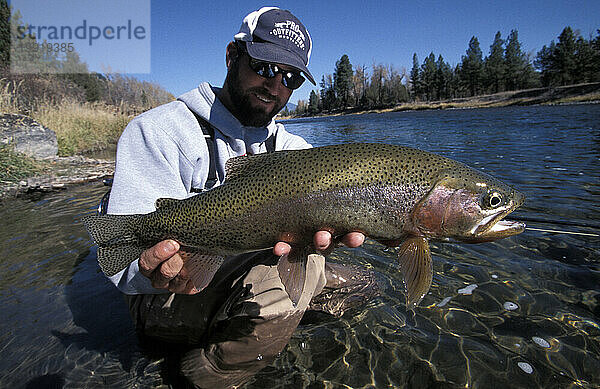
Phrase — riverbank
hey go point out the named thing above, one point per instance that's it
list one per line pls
(572, 94)
(58, 173)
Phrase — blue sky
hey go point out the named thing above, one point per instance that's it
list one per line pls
(188, 38)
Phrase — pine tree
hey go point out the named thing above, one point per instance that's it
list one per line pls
(342, 80)
(472, 67)
(313, 102)
(443, 77)
(595, 44)
(494, 65)
(515, 61)
(428, 77)
(565, 56)
(415, 79)
(545, 62)
(327, 93)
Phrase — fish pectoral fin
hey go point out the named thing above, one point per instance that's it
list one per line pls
(417, 268)
(292, 271)
(200, 268)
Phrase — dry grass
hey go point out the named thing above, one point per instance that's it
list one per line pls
(79, 127)
(8, 96)
(82, 127)
(592, 97)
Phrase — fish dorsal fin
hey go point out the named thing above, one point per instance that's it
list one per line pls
(245, 165)
(165, 202)
(417, 268)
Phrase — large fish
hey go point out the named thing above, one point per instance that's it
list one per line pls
(390, 193)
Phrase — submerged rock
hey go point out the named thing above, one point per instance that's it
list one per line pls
(28, 136)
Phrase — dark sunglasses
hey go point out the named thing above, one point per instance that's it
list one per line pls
(289, 79)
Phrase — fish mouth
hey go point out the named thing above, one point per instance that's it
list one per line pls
(504, 228)
(494, 226)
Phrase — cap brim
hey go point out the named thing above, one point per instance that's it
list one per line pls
(269, 52)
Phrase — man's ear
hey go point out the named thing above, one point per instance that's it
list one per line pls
(231, 54)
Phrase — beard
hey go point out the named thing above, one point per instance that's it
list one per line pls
(244, 111)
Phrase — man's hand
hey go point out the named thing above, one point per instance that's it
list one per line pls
(163, 265)
(323, 242)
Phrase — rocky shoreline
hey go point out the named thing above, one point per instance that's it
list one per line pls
(61, 173)
(33, 140)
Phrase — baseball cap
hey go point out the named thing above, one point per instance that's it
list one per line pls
(275, 35)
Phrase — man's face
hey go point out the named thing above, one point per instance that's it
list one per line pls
(255, 100)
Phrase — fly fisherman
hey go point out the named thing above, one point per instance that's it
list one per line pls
(237, 325)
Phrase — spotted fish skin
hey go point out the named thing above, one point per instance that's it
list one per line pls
(374, 188)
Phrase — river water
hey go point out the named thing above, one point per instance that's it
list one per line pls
(522, 312)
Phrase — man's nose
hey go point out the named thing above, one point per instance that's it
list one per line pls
(273, 84)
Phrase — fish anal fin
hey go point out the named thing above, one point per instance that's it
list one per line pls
(417, 268)
(200, 268)
(292, 272)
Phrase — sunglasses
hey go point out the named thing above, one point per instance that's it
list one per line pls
(289, 79)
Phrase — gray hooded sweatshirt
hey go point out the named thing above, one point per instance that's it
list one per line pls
(163, 153)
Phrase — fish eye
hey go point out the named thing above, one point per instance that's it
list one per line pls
(493, 200)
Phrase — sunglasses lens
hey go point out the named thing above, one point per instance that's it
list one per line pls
(290, 80)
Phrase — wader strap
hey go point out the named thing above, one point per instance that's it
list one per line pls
(209, 136)
(270, 143)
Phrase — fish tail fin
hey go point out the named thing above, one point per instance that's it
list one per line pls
(118, 244)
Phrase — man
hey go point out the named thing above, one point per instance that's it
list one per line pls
(244, 318)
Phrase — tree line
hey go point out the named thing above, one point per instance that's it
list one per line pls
(572, 59)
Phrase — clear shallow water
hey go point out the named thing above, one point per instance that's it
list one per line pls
(520, 312)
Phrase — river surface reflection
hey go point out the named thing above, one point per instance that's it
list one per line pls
(520, 312)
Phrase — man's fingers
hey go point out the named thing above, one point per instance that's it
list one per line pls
(179, 283)
(281, 248)
(164, 267)
(322, 240)
(353, 239)
(151, 258)
(167, 270)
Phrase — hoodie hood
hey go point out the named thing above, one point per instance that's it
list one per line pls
(242, 139)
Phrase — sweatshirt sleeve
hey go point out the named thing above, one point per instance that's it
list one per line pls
(149, 165)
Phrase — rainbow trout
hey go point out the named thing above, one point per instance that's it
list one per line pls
(390, 193)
